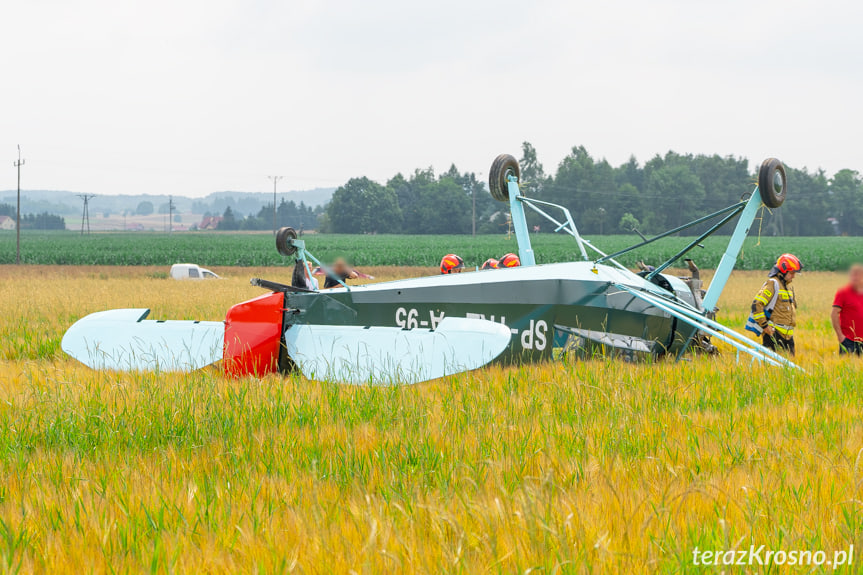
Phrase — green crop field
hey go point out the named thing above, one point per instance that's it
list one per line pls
(243, 249)
(595, 466)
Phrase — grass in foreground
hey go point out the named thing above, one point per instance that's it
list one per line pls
(587, 467)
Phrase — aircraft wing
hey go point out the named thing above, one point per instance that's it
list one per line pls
(122, 339)
(389, 355)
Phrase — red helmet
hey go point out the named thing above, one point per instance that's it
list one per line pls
(509, 261)
(788, 263)
(490, 264)
(451, 262)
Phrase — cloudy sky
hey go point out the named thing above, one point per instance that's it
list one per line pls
(194, 96)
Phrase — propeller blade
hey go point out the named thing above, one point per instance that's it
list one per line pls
(391, 355)
(122, 339)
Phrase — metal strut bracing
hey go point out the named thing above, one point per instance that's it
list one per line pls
(568, 226)
(747, 209)
(729, 258)
(519, 222)
(696, 319)
(693, 318)
(733, 208)
(304, 254)
(697, 241)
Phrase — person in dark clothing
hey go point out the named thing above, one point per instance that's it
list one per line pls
(298, 278)
(302, 277)
(339, 270)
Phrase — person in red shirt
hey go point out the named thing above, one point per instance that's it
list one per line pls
(847, 314)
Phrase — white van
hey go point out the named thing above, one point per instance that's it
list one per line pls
(191, 272)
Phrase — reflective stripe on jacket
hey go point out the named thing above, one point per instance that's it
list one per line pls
(783, 316)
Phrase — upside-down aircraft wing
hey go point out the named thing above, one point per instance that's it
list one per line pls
(124, 340)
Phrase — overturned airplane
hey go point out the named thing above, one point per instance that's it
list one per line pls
(413, 330)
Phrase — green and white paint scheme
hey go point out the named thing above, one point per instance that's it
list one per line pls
(594, 304)
(414, 330)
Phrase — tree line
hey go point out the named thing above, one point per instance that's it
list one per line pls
(41, 221)
(660, 194)
(299, 216)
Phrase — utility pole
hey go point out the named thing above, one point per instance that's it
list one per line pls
(170, 214)
(275, 182)
(18, 163)
(473, 212)
(85, 215)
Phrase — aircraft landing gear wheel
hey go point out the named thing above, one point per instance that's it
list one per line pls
(772, 183)
(284, 243)
(503, 166)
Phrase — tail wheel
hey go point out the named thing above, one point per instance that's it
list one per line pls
(503, 166)
(285, 241)
(772, 184)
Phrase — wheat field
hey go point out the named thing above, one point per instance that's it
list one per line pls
(584, 467)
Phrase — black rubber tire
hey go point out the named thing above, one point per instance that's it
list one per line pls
(283, 241)
(503, 166)
(772, 183)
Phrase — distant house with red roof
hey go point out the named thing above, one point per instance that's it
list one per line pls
(7, 223)
(210, 223)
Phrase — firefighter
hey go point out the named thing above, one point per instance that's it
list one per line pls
(774, 309)
(509, 261)
(451, 264)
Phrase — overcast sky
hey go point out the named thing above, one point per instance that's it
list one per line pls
(194, 96)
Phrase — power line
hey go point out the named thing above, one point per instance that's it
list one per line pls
(85, 215)
(275, 182)
(18, 163)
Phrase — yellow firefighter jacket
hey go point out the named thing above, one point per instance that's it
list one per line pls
(783, 316)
